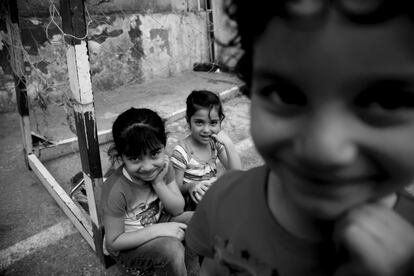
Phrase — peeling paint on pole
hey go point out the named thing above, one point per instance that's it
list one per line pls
(79, 73)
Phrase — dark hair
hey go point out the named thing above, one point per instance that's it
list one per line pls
(136, 132)
(247, 30)
(199, 99)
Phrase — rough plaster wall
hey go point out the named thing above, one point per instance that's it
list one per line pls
(123, 48)
(173, 43)
(142, 47)
(7, 92)
(114, 51)
(44, 65)
(224, 31)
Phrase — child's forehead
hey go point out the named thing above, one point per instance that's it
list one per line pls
(206, 112)
(336, 32)
(143, 152)
(336, 47)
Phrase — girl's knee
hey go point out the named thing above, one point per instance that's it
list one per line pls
(172, 253)
(172, 248)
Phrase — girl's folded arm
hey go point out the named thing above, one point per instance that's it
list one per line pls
(117, 239)
(179, 179)
(171, 197)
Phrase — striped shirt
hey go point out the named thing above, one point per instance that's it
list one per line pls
(194, 169)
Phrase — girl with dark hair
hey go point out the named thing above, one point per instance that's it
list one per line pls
(195, 157)
(331, 84)
(136, 196)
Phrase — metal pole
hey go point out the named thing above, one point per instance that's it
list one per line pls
(17, 64)
(75, 29)
(210, 30)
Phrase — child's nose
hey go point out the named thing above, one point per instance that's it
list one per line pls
(206, 128)
(326, 142)
(146, 165)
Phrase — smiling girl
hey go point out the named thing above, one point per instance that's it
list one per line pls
(332, 114)
(136, 195)
(195, 157)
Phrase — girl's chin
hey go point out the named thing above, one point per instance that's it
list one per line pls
(325, 209)
(142, 180)
(325, 212)
(327, 200)
(204, 141)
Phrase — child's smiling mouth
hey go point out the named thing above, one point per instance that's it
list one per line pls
(329, 179)
(206, 137)
(148, 174)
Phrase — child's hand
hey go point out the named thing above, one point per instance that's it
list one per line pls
(379, 242)
(172, 229)
(198, 190)
(222, 137)
(163, 171)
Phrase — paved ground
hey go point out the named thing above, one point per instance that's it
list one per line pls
(36, 238)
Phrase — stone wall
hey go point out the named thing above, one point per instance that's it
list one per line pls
(129, 41)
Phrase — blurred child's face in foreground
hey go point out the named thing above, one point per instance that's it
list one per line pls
(146, 167)
(333, 111)
(204, 123)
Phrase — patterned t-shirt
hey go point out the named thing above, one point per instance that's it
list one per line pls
(119, 200)
(194, 169)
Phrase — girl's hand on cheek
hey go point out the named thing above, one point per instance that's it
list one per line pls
(163, 171)
(378, 242)
(221, 137)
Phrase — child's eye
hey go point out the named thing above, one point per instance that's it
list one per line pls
(284, 98)
(134, 159)
(214, 123)
(199, 123)
(155, 154)
(385, 105)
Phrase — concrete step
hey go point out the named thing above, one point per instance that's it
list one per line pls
(164, 95)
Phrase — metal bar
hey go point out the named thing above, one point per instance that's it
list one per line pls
(210, 30)
(17, 64)
(75, 214)
(74, 26)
